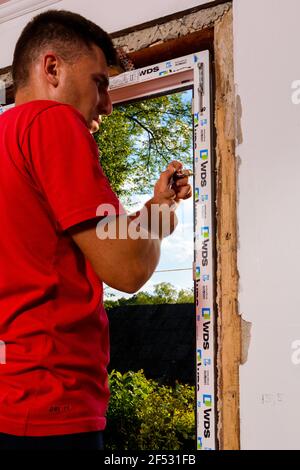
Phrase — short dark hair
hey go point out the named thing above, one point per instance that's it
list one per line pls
(69, 33)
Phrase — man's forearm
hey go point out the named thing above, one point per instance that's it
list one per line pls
(159, 220)
(121, 256)
(132, 242)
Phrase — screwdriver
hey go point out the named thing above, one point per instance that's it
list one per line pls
(182, 174)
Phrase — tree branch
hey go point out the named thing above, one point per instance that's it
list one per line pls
(149, 132)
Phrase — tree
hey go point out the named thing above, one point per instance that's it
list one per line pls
(139, 139)
(164, 293)
(185, 296)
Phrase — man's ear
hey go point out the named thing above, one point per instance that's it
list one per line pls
(51, 66)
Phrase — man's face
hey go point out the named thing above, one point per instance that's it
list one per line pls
(84, 85)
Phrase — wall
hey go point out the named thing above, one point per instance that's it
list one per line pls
(114, 16)
(266, 57)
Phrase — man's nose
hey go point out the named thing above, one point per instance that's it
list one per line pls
(106, 106)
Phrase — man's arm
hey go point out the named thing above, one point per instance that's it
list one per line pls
(123, 264)
(127, 264)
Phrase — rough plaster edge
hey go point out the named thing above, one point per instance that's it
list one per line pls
(246, 339)
(7, 79)
(188, 24)
(245, 326)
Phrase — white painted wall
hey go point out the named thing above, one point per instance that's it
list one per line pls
(267, 61)
(112, 15)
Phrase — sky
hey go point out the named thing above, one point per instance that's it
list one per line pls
(176, 250)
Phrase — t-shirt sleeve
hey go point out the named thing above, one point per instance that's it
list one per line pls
(64, 163)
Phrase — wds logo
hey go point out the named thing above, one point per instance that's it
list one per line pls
(204, 251)
(204, 173)
(206, 313)
(207, 400)
(200, 443)
(206, 335)
(199, 357)
(149, 70)
(205, 232)
(204, 154)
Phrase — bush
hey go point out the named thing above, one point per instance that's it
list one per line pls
(144, 415)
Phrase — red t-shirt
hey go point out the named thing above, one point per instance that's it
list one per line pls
(52, 318)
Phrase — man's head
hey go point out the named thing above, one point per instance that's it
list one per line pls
(62, 56)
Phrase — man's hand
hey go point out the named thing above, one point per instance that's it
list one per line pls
(167, 194)
(166, 191)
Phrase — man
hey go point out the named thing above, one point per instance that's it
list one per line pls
(54, 386)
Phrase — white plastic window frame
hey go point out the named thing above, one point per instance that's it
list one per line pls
(191, 71)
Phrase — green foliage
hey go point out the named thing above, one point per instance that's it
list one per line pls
(139, 139)
(164, 293)
(185, 296)
(143, 415)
